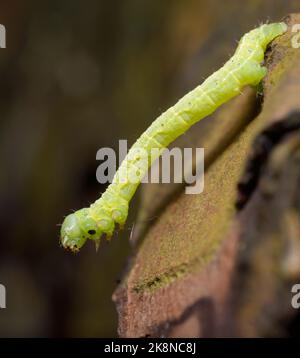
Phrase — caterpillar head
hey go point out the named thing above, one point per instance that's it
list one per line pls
(71, 235)
(80, 226)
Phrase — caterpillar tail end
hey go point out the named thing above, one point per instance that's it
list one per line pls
(284, 27)
(272, 31)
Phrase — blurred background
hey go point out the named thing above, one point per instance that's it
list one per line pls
(77, 76)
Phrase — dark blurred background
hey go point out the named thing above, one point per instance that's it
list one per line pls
(77, 76)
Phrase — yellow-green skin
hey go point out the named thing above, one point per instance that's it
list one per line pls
(244, 68)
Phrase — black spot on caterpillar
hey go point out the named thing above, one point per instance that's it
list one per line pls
(244, 68)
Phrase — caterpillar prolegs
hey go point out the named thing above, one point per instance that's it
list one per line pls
(244, 68)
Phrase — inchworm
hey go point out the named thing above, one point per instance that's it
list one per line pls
(244, 68)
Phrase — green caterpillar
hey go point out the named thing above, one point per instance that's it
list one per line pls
(244, 68)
